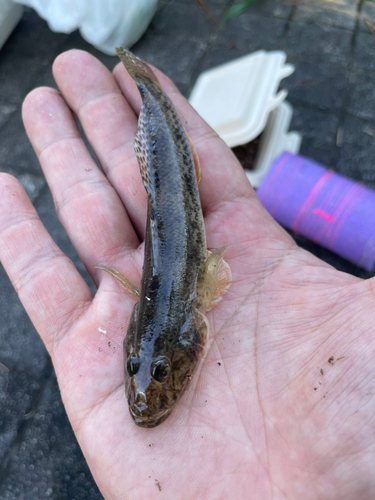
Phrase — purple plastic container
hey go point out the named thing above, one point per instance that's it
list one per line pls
(323, 206)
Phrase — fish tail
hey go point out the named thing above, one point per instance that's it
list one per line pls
(138, 69)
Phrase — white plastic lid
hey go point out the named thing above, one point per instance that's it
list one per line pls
(236, 98)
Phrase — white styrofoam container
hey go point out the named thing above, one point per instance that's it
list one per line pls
(276, 138)
(236, 98)
(10, 14)
(239, 100)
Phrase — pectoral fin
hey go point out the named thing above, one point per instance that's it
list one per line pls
(213, 281)
(124, 282)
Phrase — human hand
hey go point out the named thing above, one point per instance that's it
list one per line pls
(266, 416)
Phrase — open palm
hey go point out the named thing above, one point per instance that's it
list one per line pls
(269, 413)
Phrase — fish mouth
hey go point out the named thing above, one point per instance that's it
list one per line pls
(149, 421)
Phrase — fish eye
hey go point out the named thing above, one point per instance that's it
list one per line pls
(160, 370)
(132, 365)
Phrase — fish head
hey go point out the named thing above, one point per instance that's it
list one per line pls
(155, 381)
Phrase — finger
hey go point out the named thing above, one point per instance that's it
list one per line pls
(223, 180)
(109, 124)
(87, 205)
(49, 286)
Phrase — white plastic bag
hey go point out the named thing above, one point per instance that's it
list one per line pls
(106, 24)
(10, 14)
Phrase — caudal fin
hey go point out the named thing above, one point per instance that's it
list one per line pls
(137, 69)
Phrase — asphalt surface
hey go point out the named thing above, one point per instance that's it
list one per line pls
(332, 91)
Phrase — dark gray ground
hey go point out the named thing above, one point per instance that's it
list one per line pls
(333, 88)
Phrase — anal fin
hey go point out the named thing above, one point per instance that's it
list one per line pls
(195, 159)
